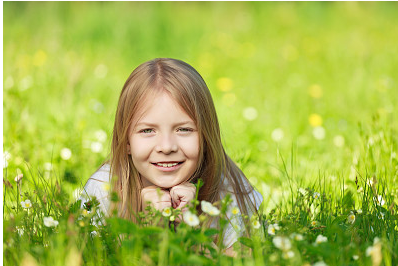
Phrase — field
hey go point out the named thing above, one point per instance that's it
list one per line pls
(311, 89)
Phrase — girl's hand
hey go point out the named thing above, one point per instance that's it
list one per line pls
(158, 198)
(182, 194)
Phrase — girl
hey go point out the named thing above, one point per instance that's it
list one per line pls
(166, 135)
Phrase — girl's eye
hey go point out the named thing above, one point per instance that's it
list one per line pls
(185, 129)
(146, 130)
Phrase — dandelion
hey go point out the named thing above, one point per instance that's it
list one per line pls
(166, 212)
(26, 204)
(190, 218)
(351, 218)
(235, 210)
(283, 243)
(18, 178)
(256, 224)
(316, 195)
(250, 113)
(296, 237)
(277, 134)
(319, 133)
(50, 222)
(66, 154)
(208, 208)
(320, 239)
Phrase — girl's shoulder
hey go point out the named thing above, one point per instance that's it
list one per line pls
(103, 174)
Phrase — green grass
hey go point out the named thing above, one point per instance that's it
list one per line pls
(64, 65)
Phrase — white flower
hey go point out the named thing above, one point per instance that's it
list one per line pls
(190, 218)
(250, 113)
(283, 243)
(320, 263)
(18, 178)
(172, 218)
(296, 237)
(359, 211)
(302, 191)
(369, 251)
(277, 134)
(100, 135)
(96, 147)
(351, 218)
(288, 254)
(106, 186)
(272, 228)
(50, 222)
(94, 233)
(338, 141)
(314, 223)
(256, 224)
(379, 200)
(208, 208)
(320, 239)
(355, 257)
(6, 158)
(235, 210)
(20, 231)
(376, 240)
(319, 133)
(26, 204)
(316, 195)
(48, 166)
(66, 154)
(166, 212)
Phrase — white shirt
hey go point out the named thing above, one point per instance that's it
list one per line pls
(99, 184)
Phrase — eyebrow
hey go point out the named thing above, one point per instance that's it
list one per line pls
(143, 123)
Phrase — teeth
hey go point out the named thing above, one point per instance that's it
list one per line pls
(167, 164)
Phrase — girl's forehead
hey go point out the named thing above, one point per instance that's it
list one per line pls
(152, 100)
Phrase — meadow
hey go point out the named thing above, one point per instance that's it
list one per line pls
(306, 94)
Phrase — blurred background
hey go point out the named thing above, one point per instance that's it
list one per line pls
(300, 88)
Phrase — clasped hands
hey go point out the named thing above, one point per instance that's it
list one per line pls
(176, 197)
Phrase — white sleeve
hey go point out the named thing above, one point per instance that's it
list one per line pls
(235, 227)
(98, 186)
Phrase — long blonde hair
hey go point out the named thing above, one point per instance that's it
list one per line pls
(188, 88)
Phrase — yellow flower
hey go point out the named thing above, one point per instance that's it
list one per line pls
(315, 91)
(315, 120)
(224, 84)
(81, 223)
(314, 223)
(256, 224)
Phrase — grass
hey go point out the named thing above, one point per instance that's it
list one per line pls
(311, 88)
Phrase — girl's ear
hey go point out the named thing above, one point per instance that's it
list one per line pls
(128, 148)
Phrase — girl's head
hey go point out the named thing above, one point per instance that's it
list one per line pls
(165, 115)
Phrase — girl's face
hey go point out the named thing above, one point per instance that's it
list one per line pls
(164, 143)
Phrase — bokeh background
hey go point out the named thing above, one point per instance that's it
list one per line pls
(300, 88)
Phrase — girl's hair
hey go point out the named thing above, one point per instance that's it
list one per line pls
(188, 89)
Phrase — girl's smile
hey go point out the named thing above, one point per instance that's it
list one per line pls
(163, 143)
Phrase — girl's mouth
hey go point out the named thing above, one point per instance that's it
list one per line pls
(167, 166)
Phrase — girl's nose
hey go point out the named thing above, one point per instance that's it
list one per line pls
(166, 144)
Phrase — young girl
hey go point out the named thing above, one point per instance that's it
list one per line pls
(166, 136)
